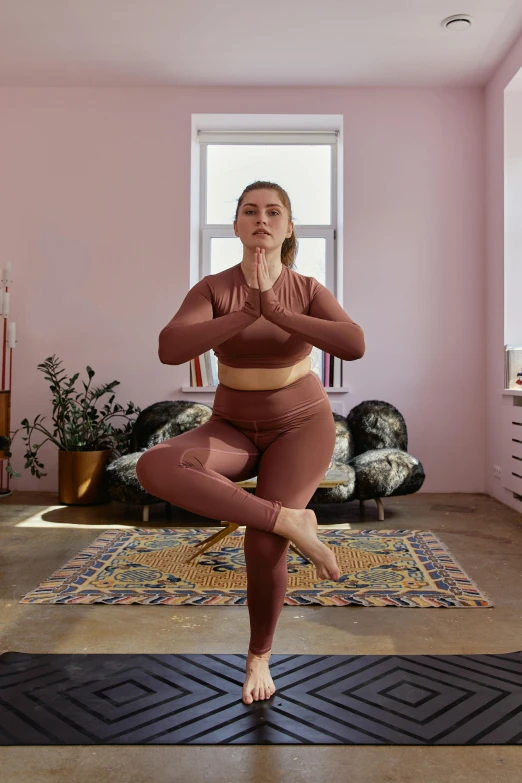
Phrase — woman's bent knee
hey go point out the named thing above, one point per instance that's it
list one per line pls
(147, 465)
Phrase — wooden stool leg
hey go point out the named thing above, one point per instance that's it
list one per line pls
(210, 538)
(215, 537)
(380, 509)
(145, 513)
(297, 551)
(204, 545)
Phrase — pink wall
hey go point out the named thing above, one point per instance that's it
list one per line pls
(494, 158)
(95, 201)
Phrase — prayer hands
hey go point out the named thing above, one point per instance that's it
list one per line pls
(262, 270)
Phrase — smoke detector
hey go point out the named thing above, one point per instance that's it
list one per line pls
(457, 22)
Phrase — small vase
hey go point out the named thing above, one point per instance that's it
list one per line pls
(81, 477)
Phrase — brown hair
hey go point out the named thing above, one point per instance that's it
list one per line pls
(290, 246)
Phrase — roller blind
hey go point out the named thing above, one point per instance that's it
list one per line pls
(267, 137)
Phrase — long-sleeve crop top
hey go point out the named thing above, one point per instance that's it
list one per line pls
(247, 327)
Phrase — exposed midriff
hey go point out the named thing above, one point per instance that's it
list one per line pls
(260, 378)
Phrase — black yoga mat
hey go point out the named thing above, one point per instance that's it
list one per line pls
(320, 700)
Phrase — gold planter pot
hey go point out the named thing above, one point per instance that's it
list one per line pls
(81, 477)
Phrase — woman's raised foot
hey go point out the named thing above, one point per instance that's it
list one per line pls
(299, 525)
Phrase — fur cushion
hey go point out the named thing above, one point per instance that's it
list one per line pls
(375, 424)
(164, 420)
(383, 472)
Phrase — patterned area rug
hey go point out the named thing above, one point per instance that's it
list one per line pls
(195, 699)
(147, 566)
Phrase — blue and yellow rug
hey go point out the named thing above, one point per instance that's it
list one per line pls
(406, 568)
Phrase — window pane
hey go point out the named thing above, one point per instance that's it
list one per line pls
(310, 261)
(303, 170)
(311, 258)
(224, 253)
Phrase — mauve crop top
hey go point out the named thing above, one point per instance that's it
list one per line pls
(247, 327)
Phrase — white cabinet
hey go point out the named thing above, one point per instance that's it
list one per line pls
(512, 448)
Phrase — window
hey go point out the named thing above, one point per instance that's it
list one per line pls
(304, 163)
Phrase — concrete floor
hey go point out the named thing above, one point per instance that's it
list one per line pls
(38, 535)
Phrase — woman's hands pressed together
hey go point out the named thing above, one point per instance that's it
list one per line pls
(257, 274)
(263, 277)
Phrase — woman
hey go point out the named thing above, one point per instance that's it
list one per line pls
(271, 415)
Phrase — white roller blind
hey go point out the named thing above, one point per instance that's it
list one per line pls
(267, 137)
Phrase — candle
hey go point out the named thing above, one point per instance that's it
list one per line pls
(11, 335)
(5, 304)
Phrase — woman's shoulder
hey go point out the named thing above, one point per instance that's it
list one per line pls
(225, 278)
(306, 284)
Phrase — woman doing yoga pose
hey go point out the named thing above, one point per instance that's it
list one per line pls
(271, 416)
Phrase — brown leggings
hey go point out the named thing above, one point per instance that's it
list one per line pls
(284, 436)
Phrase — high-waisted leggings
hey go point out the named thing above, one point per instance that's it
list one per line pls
(284, 436)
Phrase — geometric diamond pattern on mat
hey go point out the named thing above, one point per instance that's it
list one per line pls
(406, 568)
(59, 699)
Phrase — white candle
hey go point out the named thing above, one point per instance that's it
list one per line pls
(11, 335)
(8, 274)
(5, 304)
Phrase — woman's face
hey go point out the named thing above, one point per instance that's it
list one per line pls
(262, 210)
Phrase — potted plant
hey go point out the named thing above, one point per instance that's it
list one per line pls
(85, 439)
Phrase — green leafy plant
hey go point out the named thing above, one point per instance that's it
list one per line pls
(78, 424)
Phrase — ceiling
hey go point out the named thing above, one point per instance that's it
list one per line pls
(241, 43)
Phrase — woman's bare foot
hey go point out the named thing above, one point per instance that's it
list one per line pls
(259, 683)
(300, 526)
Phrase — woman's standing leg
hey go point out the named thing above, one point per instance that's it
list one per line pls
(291, 468)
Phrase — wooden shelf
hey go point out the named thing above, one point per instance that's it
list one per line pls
(210, 389)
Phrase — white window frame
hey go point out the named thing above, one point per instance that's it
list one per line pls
(266, 129)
